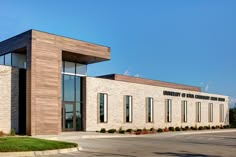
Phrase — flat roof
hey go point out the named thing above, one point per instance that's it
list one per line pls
(132, 79)
(72, 49)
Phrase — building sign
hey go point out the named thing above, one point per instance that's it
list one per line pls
(203, 97)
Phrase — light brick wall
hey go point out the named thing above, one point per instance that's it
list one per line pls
(9, 91)
(116, 91)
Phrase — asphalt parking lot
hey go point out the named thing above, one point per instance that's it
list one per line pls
(200, 145)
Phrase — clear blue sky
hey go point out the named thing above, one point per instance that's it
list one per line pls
(188, 42)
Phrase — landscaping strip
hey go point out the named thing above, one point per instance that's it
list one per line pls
(22, 144)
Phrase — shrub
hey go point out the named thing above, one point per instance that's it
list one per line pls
(183, 129)
(129, 130)
(159, 130)
(200, 128)
(103, 130)
(217, 126)
(165, 129)
(152, 130)
(12, 132)
(122, 131)
(227, 126)
(213, 127)
(187, 127)
(171, 128)
(1, 133)
(193, 128)
(177, 129)
(208, 127)
(139, 130)
(111, 131)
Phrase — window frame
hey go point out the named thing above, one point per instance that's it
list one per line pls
(151, 110)
(75, 69)
(168, 111)
(198, 112)
(221, 113)
(105, 108)
(210, 112)
(130, 109)
(184, 113)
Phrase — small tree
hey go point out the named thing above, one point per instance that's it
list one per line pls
(232, 117)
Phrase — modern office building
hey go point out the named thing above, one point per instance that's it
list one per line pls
(44, 89)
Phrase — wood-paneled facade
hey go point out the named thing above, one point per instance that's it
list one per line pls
(45, 53)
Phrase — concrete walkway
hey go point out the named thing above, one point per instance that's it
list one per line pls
(75, 136)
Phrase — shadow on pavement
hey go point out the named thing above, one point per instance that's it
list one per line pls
(108, 154)
(184, 154)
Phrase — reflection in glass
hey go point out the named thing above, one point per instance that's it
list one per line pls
(69, 114)
(101, 107)
(81, 69)
(69, 88)
(19, 60)
(69, 67)
(78, 88)
(1, 60)
(78, 117)
(8, 59)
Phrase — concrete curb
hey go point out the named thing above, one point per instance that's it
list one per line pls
(208, 132)
(39, 153)
(158, 134)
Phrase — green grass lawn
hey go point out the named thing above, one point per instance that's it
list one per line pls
(18, 144)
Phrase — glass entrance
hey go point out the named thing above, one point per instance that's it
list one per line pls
(69, 118)
(72, 94)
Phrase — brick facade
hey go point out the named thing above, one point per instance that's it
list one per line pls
(139, 92)
(9, 91)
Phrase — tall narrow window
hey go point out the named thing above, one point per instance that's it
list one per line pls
(168, 110)
(198, 111)
(2, 60)
(8, 59)
(221, 112)
(149, 109)
(184, 111)
(128, 108)
(103, 107)
(210, 112)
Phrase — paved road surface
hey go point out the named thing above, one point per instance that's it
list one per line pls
(202, 145)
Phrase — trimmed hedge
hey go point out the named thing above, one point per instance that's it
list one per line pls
(111, 131)
(171, 128)
(103, 130)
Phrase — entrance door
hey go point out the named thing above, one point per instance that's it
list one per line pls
(69, 116)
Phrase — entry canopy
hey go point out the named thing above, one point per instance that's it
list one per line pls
(81, 58)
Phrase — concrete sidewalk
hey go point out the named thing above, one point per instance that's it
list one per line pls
(74, 136)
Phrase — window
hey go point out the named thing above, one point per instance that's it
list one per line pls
(2, 60)
(221, 112)
(210, 112)
(168, 110)
(69, 67)
(184, 111)
(69, 88)
(81, 69)
(149, 109)
(72, 68)
(8, 59)
(198, 113)
(19, 60)
(103, 107)
(128, 108)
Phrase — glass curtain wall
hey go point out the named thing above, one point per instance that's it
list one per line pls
(72, 95)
